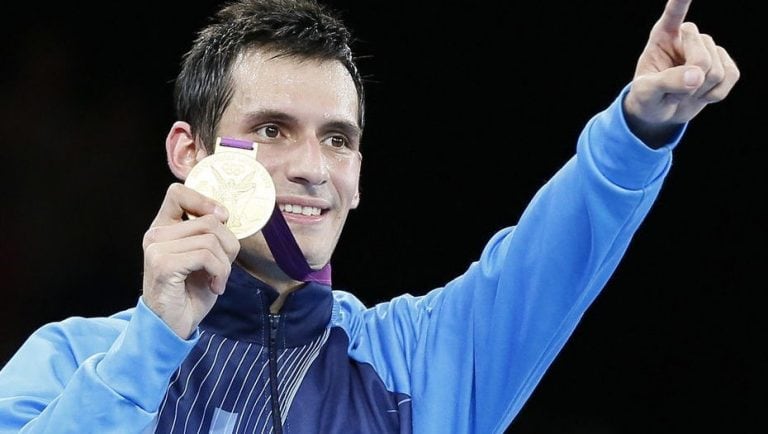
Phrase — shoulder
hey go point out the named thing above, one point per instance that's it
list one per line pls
(60, 347)
(350, 312)
(346, 306)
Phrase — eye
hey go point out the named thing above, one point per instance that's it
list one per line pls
(337, 141)
(270, 131)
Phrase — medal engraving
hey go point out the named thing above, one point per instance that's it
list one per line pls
(239, 182)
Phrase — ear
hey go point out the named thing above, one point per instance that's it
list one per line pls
(182, 150)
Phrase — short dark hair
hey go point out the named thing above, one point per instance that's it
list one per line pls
(302, 28)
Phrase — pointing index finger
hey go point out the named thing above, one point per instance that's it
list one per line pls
(674, 15)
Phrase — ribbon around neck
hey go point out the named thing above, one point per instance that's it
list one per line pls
(288, 254)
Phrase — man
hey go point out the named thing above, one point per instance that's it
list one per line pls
(241, 332)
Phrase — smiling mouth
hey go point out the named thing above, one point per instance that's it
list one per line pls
(298, 209)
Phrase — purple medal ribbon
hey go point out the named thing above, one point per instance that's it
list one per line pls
(282, 244)
(288, 254)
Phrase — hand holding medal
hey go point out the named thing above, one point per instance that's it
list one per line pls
(232, 176)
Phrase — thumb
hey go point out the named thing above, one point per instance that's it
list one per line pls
(693, 77)
(682, 80)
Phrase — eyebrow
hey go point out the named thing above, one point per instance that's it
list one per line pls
(350, 129)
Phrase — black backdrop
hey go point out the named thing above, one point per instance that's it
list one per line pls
(472, 106)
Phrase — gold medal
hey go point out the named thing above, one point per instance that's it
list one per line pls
(232, 176)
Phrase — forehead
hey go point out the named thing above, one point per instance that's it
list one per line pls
(264, 79)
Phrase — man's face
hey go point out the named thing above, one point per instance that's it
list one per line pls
(303, 115)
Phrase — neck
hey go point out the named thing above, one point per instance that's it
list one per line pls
(269, 273)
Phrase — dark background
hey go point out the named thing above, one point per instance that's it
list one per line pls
(472, 106)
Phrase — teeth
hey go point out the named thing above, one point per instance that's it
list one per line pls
(298, 209)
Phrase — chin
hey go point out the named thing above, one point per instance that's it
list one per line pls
(315, 259)
(317, 264)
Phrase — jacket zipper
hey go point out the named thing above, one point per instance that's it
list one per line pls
(277, 420)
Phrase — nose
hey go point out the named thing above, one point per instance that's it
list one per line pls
(308, 164)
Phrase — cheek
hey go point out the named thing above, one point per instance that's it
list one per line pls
(346, 177)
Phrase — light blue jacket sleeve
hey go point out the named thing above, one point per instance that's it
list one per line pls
(91, 376)
(470, 353)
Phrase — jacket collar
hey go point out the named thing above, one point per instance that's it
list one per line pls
(242, 312)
